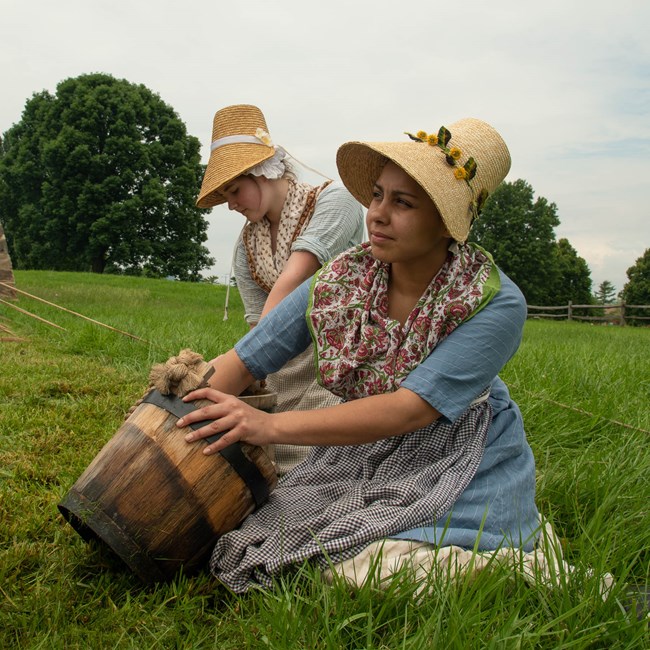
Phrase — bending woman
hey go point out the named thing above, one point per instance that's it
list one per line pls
(293, 229)
(410, 329)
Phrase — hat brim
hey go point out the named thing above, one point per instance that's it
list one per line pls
(454, 196)
(360, 164)
(227, 163)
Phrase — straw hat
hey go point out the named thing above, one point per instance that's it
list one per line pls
(240, 141)
(457, 167)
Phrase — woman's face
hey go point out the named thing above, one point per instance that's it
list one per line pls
(248, 196)
(403, 223)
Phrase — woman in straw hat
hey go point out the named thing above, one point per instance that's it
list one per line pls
(410, 329)
(292, 229)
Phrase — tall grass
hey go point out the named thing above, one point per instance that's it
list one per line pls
(63, 394)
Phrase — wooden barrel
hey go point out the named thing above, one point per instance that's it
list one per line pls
(158, 502)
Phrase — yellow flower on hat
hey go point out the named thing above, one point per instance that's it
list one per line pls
(262, 135)
(464, 172)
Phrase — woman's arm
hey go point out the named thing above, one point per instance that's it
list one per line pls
(278, 337)
(452, 376)
(300, 266)
(282, 335)
(336, 225)
(351, 423)
(252, 295)
(468, 360)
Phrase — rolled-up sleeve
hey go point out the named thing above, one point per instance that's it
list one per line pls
(336, 225)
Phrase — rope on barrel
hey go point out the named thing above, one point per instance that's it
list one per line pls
(179, 375)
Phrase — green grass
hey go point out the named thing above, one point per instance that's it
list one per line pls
(64, 394)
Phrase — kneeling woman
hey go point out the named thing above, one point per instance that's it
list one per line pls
(410, 329)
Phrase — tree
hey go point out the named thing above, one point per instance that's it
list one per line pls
(102, 176)
(519, 232)
(637, 289)
(573, 277)
(606, 293)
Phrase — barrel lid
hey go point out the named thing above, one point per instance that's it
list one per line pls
(262, 401)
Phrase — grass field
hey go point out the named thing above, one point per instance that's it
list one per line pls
(584, 391)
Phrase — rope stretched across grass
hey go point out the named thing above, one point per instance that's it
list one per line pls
(69, 311)
(578, 410)
(537, 395)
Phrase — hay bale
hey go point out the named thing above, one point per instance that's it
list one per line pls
(6, 270)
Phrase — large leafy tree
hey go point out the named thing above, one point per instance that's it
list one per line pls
(519, 232)
(102, 176)
(573, 277)
(637, 289)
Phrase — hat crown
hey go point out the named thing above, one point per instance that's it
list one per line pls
(240, 119)
(241, 151)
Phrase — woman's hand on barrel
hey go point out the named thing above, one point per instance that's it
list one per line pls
(230, 418)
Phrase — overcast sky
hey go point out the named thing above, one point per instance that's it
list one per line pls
(566, 82)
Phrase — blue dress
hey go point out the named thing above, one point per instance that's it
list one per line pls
(497, 508)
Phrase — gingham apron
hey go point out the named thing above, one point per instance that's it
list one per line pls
(342, 498)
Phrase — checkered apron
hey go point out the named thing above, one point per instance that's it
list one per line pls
(340, 499)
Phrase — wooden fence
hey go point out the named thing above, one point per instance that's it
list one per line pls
(618, 314)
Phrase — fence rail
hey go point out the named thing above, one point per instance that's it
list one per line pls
(615, 313)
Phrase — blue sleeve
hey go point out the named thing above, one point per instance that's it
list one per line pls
(468, 360)
(280, 336)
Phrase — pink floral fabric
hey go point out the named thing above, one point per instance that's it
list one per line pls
(359, 350)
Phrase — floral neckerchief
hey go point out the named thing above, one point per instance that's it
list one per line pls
(359, 350)
(266, 266)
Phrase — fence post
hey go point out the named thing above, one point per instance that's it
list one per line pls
(569, 311)
(622, 312)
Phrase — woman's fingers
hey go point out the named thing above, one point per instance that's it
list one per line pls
(205, 393)
(214, 412)
(229, 438)
(219, 427)
(213, 428)
(229, 418)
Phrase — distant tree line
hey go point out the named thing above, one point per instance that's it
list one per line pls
(519, 231)
(637, 289)
(606, 293)
(102, 176)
